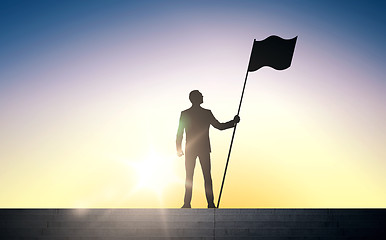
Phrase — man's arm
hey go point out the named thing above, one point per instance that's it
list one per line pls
(180, 133)
(222, 126)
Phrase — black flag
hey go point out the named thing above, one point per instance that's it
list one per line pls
(273, 51)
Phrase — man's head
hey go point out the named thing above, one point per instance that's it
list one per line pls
(195, 97)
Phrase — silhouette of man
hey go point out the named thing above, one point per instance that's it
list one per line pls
(196, 122)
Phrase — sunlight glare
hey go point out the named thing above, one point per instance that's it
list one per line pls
(154, 173)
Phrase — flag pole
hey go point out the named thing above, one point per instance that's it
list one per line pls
(233, 135)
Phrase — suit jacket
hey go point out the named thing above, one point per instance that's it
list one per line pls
(196, 122)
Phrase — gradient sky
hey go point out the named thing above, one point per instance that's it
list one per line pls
(91, 93)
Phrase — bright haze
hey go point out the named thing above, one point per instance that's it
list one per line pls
(91, 93)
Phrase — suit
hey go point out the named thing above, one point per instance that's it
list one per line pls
(196, 122)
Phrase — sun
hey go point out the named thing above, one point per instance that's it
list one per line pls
(154, 173)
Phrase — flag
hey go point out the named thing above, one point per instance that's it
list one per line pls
(273, 51)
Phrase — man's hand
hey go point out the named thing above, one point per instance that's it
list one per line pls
(236, 119)
(180, 153)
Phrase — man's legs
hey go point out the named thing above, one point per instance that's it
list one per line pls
(205, 166)
(190, 163)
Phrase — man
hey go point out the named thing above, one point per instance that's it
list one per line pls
(196, 121)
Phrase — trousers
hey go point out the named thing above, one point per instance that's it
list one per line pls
(190, 163)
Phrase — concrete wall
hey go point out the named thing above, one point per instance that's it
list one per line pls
(192, 224)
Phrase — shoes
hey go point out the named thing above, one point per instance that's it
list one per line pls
(186, 206)
(211, 205)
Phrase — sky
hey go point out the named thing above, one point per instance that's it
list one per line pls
(91, 93)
